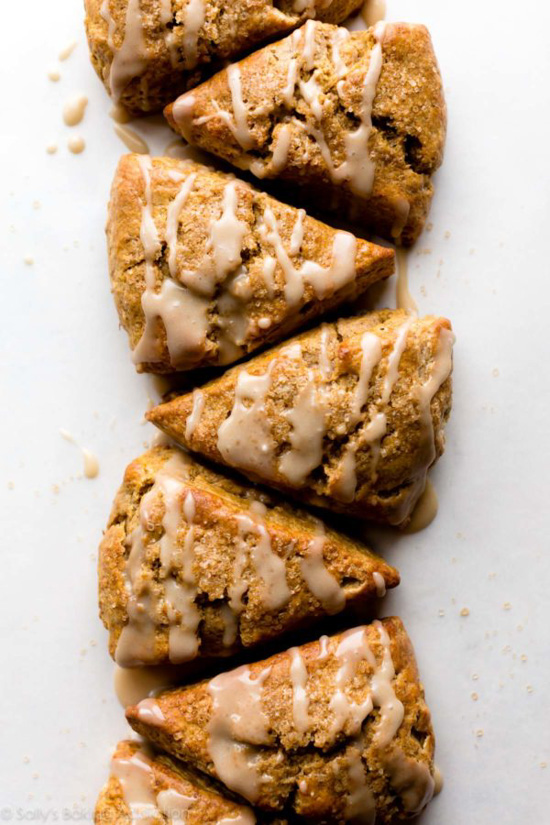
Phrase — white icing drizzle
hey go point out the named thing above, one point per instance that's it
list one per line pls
(411, 779)
(268, 272)
(237, 725)
(383, 694)
(291, 78)
(193, 20)
(227, 234)
(308, 47)
(194, 416)
(380, 584)
(145, 606)
(402, 210)
(270, 567)
(323, 648)
(357, 168)
(241, 131)
(172, 222)
(339, 37)
(360, 802)
(183, 313)
(319, 579)
(279, 157)
(325, 364)
(166, 18)
(297, 237)
(324, 280)
(244, 438)
(129, 60)
(352, 649)
(136, 779)
(300, 699)
(308, 420)
(442, 366)
(311, 91)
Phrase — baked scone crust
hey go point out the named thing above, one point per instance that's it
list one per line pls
(253, 563)
(380, 757)
(349, 416)
(177, 41)
(206, 806)
(296, 114)
(246, 268)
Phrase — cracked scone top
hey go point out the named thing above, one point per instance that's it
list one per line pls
(334, 729)
(194, 564)
(355, 120)
(144, 787)
(204, 268)
(349, 416)
(147, 52)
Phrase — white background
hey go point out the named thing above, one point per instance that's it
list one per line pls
(64, 363)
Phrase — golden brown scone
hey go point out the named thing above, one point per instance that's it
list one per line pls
(204, 268)
(336, 729)
(148, 52)
(357, 121)
(152, 787)
(195, 564)
(348, 416)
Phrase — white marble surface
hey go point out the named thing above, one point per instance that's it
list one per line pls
(64, 363)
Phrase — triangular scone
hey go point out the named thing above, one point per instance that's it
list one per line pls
(195, 564)
(336, 729)
(144, 787)
(147, 53)
(349, 416)
(357, 121)
(204, 268)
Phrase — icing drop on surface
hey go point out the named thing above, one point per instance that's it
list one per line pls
(373, 11)
(360, 802)
(131, 139)
(380, 584)
(76, 144)
(195, 415)
(425, 510)
(119, 114)
(319, 579)
(193, 21)
(300, 699)
(65, 53)
(404, 299)
(91, 463)
(269, 566)
(73, 111)
(244, 438)
(237, 725)
(134, 684)
(438, 781)
(308, 421)
(129, 60)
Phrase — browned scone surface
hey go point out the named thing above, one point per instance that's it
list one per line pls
(147, 775)
(246, 268)
(251, 568)
(348, 416)
(362, 742)
(164, 54)
(307, 124)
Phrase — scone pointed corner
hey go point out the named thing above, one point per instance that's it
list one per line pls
(169, 116)
(168, 416)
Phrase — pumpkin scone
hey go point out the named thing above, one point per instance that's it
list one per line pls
(349, 416)
(204, 268)
(195, 564)
(152, 788)
(355, 122)
(147, 51)
(337, 730)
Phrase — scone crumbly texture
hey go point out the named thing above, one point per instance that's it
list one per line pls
(333, 729)
(204, 268)
(349, 416)
(146, 53)
(195, 564)
(140, 778)
(356, 121)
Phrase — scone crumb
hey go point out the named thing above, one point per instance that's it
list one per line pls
(465, 611)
